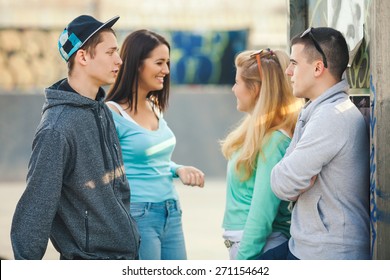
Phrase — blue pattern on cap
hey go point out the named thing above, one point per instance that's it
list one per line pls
(78, 31)
(73, 40)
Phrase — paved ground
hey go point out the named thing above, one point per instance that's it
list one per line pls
(202, 218)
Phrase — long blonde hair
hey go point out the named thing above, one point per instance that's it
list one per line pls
(275, 108)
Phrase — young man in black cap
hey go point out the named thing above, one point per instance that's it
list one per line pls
(77, 193)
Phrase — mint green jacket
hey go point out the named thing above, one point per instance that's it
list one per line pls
(251, 205)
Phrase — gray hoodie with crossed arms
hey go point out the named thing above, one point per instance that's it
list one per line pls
(330, 218)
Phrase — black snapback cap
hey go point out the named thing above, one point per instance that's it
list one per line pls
(78, 32)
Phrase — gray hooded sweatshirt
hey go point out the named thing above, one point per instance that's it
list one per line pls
(330, 220)
(77, 193)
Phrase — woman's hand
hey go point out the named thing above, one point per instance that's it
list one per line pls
(191, 176)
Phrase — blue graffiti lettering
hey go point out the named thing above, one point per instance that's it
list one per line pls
(373, 204)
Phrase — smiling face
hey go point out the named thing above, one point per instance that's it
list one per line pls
(104, 65)
(154, 69)
(246, 97)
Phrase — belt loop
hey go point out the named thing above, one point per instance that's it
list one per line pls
(178, 206)
(148, 205)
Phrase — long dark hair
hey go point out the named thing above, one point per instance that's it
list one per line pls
(135, 49)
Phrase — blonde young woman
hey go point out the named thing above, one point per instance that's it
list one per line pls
(255, 220)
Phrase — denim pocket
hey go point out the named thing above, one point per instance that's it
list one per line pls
(138, 210)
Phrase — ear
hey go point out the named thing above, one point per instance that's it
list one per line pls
(319, 68)
(81, 57)
(256, 91)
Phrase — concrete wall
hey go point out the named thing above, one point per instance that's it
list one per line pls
(199, 118)
(199, 121)
(29, 30)
(380, 129)
(19, 117)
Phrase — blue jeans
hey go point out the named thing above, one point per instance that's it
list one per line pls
(161, 231)
(281, 252)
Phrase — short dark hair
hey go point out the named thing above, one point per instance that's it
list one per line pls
(137, 47)
(89, 46)
(333, 44)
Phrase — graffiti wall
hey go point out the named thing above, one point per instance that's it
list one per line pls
(206, 58)
(29, 59)
(349, 17)
(373, 174)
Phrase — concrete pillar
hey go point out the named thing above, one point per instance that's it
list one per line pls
(379, 23)
(298, 18)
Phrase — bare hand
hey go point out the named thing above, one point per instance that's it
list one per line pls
(313, 180)
(191, 176)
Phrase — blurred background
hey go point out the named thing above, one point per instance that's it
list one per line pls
(204, 35)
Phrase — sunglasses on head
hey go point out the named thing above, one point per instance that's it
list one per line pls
(259, 54)
(309, 32)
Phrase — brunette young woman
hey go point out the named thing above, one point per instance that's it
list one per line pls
(138, 99)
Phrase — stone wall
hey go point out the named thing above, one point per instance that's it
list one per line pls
(199, 117)
(29, 29)
(266, 19)
(29, 59)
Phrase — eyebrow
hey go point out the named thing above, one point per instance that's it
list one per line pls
(113, 48)
(293, 60)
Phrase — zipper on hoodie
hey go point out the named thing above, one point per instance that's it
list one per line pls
(118, 161)
(104, 143)
(86, 231)
(98, 119)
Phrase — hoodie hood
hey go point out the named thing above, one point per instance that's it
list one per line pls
(334, 93)
(55, 96)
